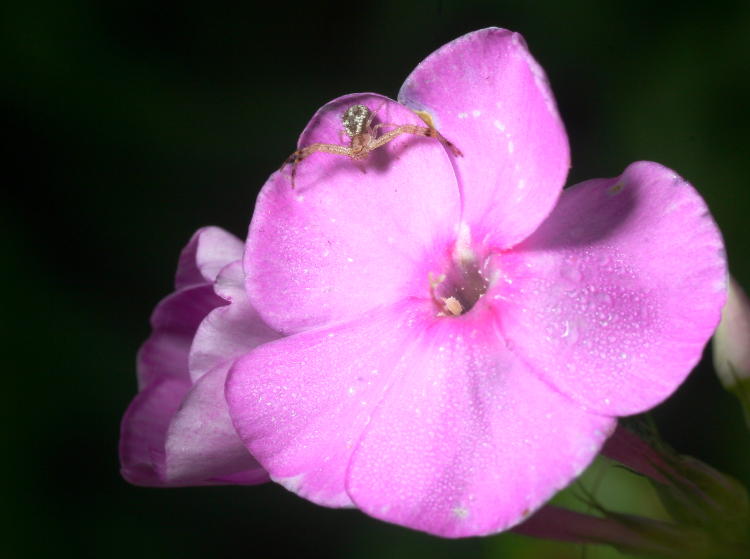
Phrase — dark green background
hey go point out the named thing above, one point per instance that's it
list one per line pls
(134, 123)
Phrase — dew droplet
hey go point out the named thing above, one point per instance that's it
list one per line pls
(571, 273)
(603, 298)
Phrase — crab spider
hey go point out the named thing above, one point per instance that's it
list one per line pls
(357, 123)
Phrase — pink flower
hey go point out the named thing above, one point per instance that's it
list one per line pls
(462, 333)
(177, 430)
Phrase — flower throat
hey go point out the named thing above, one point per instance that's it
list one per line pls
(456, 291)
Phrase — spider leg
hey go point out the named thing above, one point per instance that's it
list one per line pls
(428, 131)
(381, 125)
(297, 157)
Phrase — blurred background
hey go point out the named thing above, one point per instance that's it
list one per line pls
(132, 124)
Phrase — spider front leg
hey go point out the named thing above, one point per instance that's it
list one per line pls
(427, 131)
(297, 157)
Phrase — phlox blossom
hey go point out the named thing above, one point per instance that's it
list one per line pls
(460, 333)
(177, 430)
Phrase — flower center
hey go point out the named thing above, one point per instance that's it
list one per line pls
(457, 290)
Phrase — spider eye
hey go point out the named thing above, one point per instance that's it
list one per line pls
(355, 119)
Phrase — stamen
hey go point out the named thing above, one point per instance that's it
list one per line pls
(453, 306)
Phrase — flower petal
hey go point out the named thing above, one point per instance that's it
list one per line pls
(207, 252)
(300, 403)
(144, 429)
(201, 442)
(487, 95)
(468, 441)
(174, 323)
(614, 297)
(230, 330)
(351, 236)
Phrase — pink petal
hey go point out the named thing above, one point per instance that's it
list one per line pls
(614, 297)
(468, 441)
(351, 236)
(207, 252)
(174, 323)
(201, 442)
(489, 96)
(301, 403)
(144, 428)
(230, 330)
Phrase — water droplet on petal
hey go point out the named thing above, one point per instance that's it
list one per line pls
(571, 273)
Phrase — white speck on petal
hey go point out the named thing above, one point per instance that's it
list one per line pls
(463, 115)
(349, 259)
(521, 184)
(511, 147)
(499, 125)
(460, 512)
(475, 113)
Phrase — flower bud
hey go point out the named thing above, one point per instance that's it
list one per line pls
(710, 510)
(731, 345)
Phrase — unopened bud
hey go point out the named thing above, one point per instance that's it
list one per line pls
(710, 509)
(731, 345)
